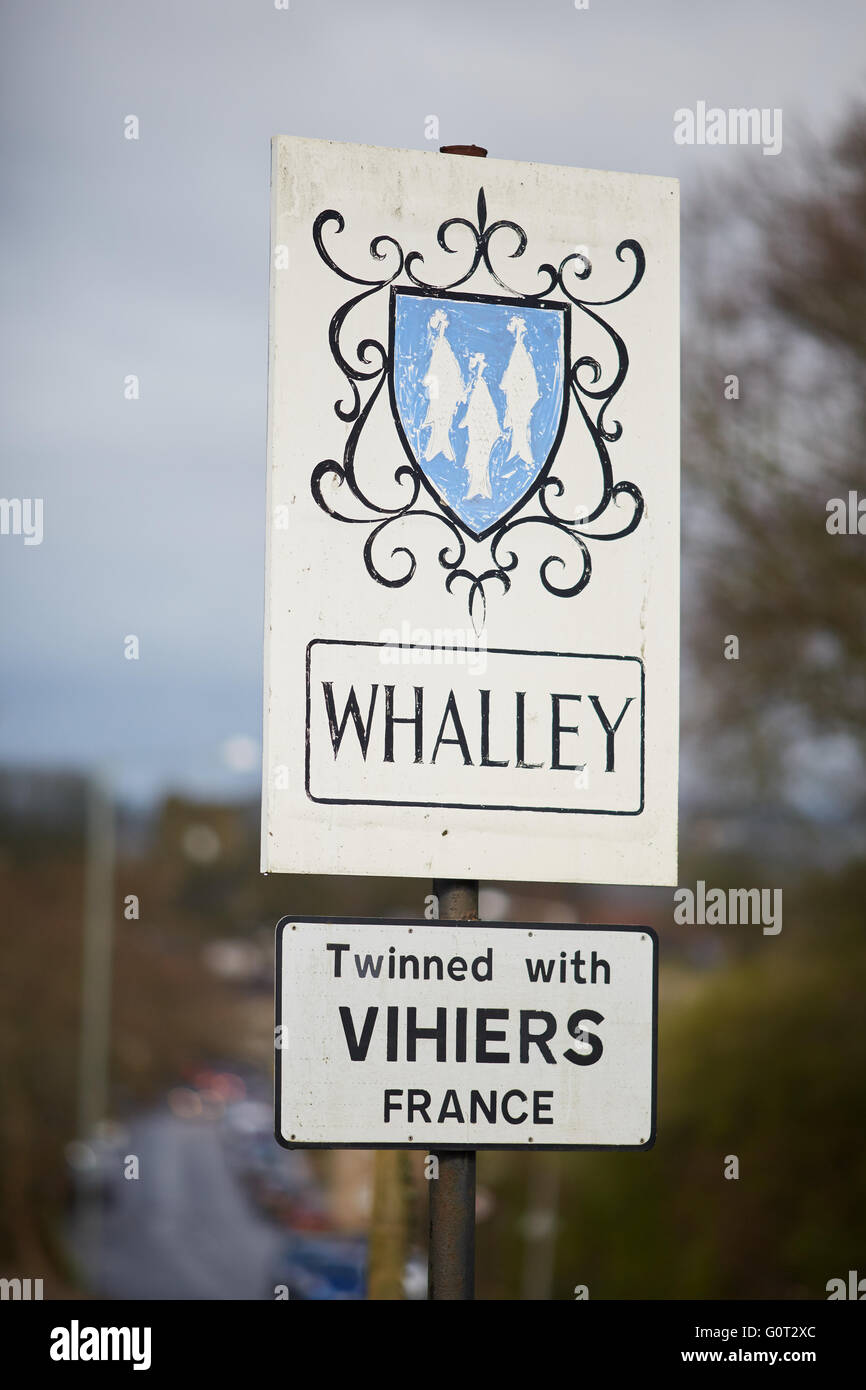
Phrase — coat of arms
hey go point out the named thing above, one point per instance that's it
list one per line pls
(479, 387)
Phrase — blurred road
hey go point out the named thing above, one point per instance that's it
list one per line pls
(183, 1230)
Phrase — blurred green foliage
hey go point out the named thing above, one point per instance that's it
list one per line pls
(763, 1058)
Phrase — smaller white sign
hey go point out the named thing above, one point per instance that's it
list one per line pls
(464, 1035)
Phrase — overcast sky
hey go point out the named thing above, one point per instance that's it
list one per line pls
(151, 257)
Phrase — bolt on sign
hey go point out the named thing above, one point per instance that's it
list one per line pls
(473, 501)
(465, 1035)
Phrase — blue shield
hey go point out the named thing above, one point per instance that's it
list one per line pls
(478, 395)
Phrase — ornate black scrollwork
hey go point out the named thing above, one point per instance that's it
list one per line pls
(366, 371)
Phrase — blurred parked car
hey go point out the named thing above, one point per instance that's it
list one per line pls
(321, 1267)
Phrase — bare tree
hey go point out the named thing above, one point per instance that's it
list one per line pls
(773, 432)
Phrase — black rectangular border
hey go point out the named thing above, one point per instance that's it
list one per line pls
(433, 1146)
(469, 805)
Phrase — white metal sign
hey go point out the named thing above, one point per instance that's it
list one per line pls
(464, 1035)
(472, 592)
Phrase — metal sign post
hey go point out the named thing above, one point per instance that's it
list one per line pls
(451, 1250)
(451, 1247)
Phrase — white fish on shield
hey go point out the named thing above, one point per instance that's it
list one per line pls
(482, 425)
(445, 389)
(520, 386)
